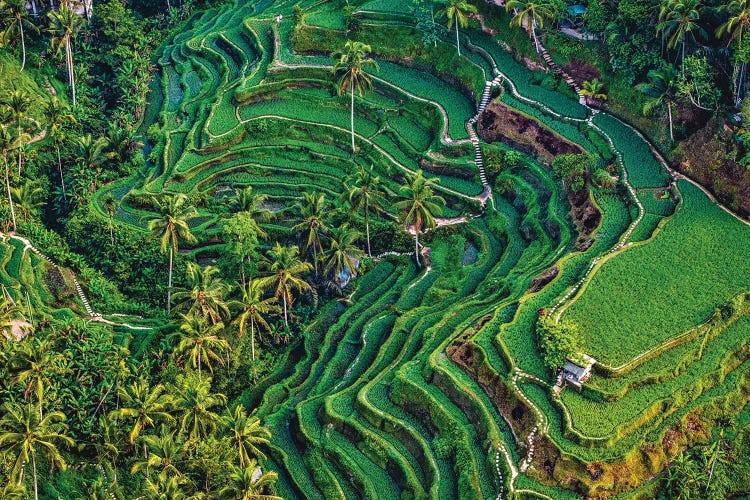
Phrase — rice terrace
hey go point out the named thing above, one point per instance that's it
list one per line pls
(419, 260)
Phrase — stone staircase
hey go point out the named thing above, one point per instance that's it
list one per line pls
(558, 71)
(85, 301)
(484, 100)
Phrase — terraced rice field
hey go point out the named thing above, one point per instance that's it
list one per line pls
(430, 384)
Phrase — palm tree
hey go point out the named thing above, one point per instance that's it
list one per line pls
(284, 268)
(457, 12)
(246, 433)
(145, 406)
(164, 454)
(64, 25)
(364, 192)
(170, 226)
(200, 341)
(18, 16)
(312, 211)
(111, 205)
(25, 434)
(662, 89)
(107, 444)
(122, 143)
(253, 309)
(342, 251)
(205, 293)
(8, 143)
(28, 197)
(349, 69)
(56, 116)
(419, 205)
(594, 89)
(735, 26)
(38, 361)
(250, 483)
(252, 203)
(679, 19)
(195, 402)
(165, 487)
(535, 12)
(19, 103)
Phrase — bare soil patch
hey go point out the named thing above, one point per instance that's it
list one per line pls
(501, 123)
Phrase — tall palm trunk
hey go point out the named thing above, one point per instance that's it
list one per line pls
(286, 321)
(20, 144)
(10, 197)
(315, 256)
(23, 42)
(416, 241)
(69, 63)
(169, 281)
(533, 35)
(669, 112)
(36, 486)
(458, 43)
(59, 167)
(352, 119)
(252, 342)
(367, 230)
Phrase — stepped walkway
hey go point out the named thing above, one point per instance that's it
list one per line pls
(94, 316)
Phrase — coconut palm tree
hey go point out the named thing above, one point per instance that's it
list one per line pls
(7, 144)
(164, 454)
(342, 251)
(364, 191)
(531, 14)
(246, 433)
(145, 406)
(122, 143)
(252, 203)
(205, 293)
(36, 362)
(91, 157)
(28, 198)
(661, 89)
(678, 19)
(419, 205)
(111, 205)
(349, 70)
(253, 308)
(457, 12)
(312, 212)
(170, 226)
(285, 268)
(108, 442)
(19, 103)
(735, 27)
(195, 403)
(165, 486)
(250, 483)
(24, 434)
(200, 342)
(17, 15)
(64, 25)
(56, 114)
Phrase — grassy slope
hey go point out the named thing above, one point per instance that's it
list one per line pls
(660, 289)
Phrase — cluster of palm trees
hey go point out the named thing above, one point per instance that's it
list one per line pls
(208, 304)
(19, 121)
(159, 430)
(64, 24)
